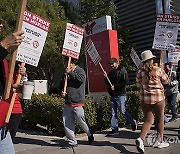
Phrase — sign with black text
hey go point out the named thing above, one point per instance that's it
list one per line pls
(35, 31)
(166, 31)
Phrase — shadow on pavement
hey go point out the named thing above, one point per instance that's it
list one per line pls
(22, 140)
(118, 146)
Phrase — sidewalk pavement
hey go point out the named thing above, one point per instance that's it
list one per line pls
(124, 142)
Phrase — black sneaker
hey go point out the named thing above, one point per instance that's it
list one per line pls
(173, 119)
(114, 131)
(91, 138)
(134, 127)
(68, 146)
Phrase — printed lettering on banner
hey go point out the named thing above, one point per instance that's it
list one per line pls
(174, 56)
(72, 41)
(91, 49)
(166, 31)
(35, 31)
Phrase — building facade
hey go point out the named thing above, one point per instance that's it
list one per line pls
(141, 15)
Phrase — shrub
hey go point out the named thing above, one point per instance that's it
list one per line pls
(47, 110)
(44, 110)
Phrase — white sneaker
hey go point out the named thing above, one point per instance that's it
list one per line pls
(140, 145)
(162, 145)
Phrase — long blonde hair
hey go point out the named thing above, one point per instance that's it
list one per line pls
(147, 68)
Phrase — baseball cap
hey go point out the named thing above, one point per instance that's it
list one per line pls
(112, 61)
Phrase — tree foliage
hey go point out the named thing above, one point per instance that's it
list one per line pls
(51, 58)
(92, 9)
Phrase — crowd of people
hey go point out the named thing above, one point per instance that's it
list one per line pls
(156, 85)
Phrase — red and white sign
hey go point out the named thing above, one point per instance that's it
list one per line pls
(174, 56)
(166, 31)
(98, 25)
(72, 41)
(90, 48)
(35, 31)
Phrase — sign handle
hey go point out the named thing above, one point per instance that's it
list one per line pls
(13, 97)
(65, 83)
(13, 56)
(106, 76)
(161, 57)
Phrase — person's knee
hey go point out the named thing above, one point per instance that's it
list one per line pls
(149, 120)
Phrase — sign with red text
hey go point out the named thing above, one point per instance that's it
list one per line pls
(35, 31)
(99, 25)
(72, 41)
(166, 31)
(174, 56)
(90, 48)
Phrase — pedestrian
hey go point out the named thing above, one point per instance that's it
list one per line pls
(150, 80)
(118, 77)
(171, 90)
(74, 102)
(16, 114)
(178, 74)
(10, 42)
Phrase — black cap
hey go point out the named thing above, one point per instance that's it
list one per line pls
(112, 61)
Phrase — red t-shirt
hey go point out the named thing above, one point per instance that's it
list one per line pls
(17, 108)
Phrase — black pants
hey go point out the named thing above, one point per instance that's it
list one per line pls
(13, 125)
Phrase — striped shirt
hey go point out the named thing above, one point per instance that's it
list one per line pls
(151, 89)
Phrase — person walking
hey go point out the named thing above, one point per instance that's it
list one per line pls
(171, 90)
(178, 74)
(118, 76)
(150, 80)
(10, 42)
(74, 102)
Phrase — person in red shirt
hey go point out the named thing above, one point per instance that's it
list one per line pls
(12, 41)
(16, 114)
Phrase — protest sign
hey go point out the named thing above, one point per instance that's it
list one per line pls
(35, 31)
(166, 31)
(92, 52)
(72, 41)
(135, 58)
(174, 56)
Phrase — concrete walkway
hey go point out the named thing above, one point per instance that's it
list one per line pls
(124, 142)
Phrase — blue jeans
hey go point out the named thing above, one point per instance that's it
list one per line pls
(6, 145)
(120, 103)
(171, 99)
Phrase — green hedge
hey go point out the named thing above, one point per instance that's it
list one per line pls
(46, 110)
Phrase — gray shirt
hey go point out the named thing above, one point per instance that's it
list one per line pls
(172, 87)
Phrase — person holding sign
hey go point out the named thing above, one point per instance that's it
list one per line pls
(119, 78)
(178, 74)
(10, 42)
(150, 80)
(74, 102)
(171, 90)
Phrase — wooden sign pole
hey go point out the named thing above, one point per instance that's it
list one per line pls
(13, 56)
(65, 83)
(161, 57)
(13, 97)
(106, 76)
